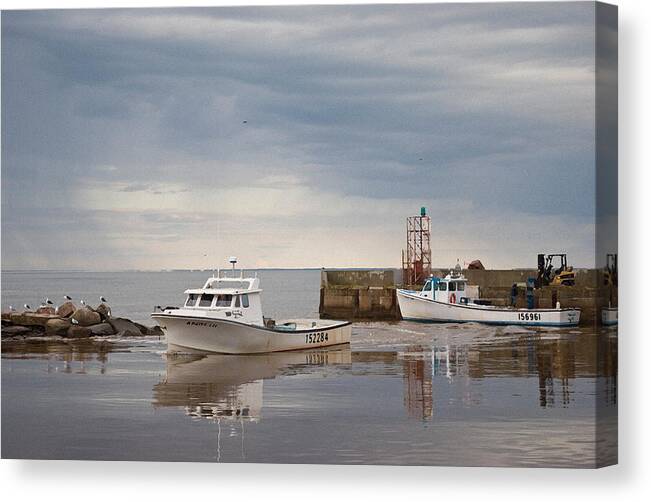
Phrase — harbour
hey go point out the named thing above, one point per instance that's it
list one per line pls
(371, 294)
(400, 393)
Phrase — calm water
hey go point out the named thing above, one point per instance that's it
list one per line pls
(403, 393)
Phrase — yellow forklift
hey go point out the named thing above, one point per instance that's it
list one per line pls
(549, 275)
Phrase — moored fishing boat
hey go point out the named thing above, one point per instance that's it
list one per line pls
(445, 300)
(609, 316)
(225, 316)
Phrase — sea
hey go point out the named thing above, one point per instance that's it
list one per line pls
(402, 393)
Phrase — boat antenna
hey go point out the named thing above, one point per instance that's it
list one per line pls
(233, 260)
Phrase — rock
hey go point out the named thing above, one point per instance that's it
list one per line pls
(78, 332)
(104, 311)
(12, 331)
(143, 329)
(46, 310)
(57, 327)
(155, 331)
(66, 309)
(101, 329)
(124, 327)
(31, 319)
(149, 331)
(85, 316)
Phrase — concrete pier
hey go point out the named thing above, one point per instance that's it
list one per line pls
(358, 294)
(371, 294)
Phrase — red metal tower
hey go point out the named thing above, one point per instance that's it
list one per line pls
(417, 258)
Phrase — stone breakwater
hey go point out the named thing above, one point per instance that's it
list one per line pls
(70, 321)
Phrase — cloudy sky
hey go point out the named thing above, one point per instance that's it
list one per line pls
(297, 136)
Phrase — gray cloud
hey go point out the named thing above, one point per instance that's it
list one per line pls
(491, 105)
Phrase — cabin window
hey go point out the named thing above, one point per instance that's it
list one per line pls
(428, 286)
(245, 301)
(453, 286)
(206, 300)
(237, 301)
(192, 299)
(443, 286)
(461, 286)
(224, 300)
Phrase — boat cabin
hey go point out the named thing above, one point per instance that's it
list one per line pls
(450, 289)
(235, 298)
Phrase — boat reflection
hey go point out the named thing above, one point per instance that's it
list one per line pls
(228, 389)
(221, 386)
(556, 362)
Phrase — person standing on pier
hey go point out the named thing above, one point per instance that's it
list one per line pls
(514, 294)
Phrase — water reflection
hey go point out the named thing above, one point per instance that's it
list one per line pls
(228, 389)
(78, 356)
(219, 386)
(231, 387)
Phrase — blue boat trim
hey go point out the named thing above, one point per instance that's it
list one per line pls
(335, 325)
(497, 323)
(410, 294)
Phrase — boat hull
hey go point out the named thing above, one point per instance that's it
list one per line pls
(229, 337)
(416, 308)
(609, 316)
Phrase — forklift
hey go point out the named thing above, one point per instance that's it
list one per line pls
(548, 275)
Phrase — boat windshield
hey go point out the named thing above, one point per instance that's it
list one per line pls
(206, 300)
(443, 286)
(224, 300)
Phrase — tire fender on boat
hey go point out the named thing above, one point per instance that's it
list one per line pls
(453, 298)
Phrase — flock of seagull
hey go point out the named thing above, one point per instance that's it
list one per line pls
(47, 302)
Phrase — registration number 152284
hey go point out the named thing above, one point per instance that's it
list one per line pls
(316, 337)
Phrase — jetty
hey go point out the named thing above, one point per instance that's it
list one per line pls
(71, 322)
(370, 295)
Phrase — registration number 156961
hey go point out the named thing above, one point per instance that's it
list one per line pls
(528, 316)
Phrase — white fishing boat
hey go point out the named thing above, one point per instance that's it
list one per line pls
(609, 316)
(225, 316)
(445, 300)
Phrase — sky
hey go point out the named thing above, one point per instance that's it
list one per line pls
(297, 136)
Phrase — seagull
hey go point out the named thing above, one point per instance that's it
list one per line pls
(11, 308)
(82, 302)
(67, 297)
(102, 299)
(49, 302)
(245, 122)
(27, 307)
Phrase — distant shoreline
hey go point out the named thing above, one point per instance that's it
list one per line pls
(58, 271)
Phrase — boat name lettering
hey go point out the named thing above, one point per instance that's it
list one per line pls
(528, 316)
(316, 337)
(202, 323)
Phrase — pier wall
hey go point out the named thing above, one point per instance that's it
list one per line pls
(371, 294)
(358, 294)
